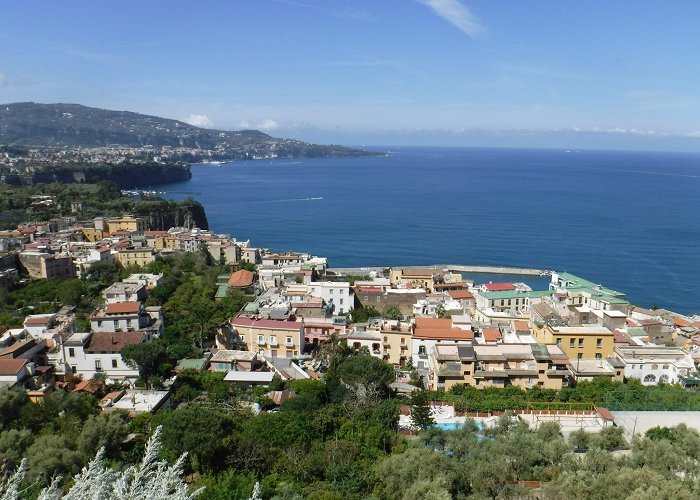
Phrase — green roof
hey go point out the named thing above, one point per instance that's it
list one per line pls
(191, 364)
(597, 291)
(223, 278)
(222, 291)
(515, 294)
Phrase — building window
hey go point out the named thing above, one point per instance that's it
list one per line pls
(598, 355)
(650, 378)
(580, 343)
(115, 363)
(71, 352)
(341, 302)
(273, 352)
(665, 367)
(663, 379)
(261, 339)
(98, 365)
(558, 342)
(74, 369)
(572, 342)
(116, 324)
(599, 343)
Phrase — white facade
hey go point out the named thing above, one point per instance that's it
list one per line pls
(87, 364)
(655, 365)
(124, 292)
(337, 293)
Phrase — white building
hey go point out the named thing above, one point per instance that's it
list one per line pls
(124, 292)
(89, 354)
(127, 317)
(147, 280)
(654, 365)
(337, 293)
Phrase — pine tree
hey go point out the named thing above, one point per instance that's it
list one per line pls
(420, 410)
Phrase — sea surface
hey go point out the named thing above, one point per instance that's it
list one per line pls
(628, 220)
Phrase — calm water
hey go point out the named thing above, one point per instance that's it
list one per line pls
(628, 220)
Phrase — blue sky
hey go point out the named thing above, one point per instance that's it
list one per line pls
(472, 72)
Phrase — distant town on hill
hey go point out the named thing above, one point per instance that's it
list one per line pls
(74, 125)
(44, 143)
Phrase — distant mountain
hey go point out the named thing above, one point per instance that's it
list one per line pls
(74, 125)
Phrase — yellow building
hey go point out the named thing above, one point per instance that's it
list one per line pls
(278, 338)
(500, 365)
(422, 277)
(579, 342)
(135, 257)
(395, 340)
(92, 234)
(126, 223)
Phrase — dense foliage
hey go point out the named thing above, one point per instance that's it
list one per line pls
(631, 395)
(99, 199)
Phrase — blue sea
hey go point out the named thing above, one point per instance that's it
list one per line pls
(628, 220)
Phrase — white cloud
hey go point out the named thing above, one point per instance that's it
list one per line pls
(694, 133)
(199, 121)
(266, 124)
(454, 12)
(3, 80)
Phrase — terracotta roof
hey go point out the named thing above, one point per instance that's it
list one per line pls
(241, 279)
(266, 323)
(18, 348)
(123, 308)
(521, 326)
(680, 322)
(41, 320)
(442, 334)
(11, 366)
(86, 386)
(368, 289)
(433, 323)
(499, 287)
(492, 334)
(113, 342)
(440, 329)
(460, 294)
(621, 338)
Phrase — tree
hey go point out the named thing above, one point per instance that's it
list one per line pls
(609, 439)
(152, 479)
(147, 357)
(52, 455)
(393, 313)
(420, 410)
(579, 440)
(107, 431)
(395, 476)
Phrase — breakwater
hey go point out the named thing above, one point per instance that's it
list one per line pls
(517, 271)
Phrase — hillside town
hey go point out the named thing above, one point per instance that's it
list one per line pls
(433, 327)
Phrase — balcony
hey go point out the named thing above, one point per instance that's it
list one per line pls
(261, 341)
(289, 343)
(273, 342)
(449, 369)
